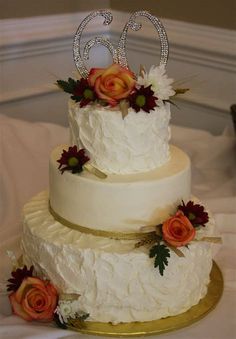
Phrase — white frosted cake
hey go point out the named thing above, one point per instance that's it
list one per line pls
(116, 281)
(118, 227)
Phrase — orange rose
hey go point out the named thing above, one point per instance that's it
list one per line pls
(178, 230)
(35, 299)
(111, 84)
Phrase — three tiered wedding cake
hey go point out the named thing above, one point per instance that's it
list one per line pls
(119, 231)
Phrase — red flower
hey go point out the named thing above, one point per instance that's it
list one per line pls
(83, 92)
(17, 277)
(72, 160)
(195, 213)
(143, 98)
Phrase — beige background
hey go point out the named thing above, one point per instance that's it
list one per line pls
(218, 13)
(27, 8)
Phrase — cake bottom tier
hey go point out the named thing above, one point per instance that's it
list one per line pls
(116, 281)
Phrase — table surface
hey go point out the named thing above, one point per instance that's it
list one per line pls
(24, 153)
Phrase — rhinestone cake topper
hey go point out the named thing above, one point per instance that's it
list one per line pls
(119, 55)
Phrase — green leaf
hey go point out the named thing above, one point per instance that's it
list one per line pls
(84, 316)
(76, 98)
(67, 86)
(161, 253)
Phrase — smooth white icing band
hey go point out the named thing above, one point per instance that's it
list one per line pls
(120, 203)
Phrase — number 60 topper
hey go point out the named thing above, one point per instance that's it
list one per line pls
(118, 54)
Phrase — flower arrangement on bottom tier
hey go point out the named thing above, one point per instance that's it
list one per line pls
(33, 298)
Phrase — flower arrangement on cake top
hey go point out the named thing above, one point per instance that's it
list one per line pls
(117, 86)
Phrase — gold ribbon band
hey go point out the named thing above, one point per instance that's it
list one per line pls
(216, 240)
(98, 233)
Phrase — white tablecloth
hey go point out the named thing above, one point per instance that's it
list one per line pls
(24, 153)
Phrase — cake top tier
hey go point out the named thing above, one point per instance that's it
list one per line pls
(120, 118)
(138, 143)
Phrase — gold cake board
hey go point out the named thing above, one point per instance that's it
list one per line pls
(168, 324)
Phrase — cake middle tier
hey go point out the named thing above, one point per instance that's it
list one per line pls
(120, 203)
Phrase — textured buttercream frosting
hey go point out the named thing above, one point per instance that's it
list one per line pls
(120, 202)
(136, 143)
(117, 283)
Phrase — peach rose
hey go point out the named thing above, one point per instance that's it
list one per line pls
(111, 84)
(178, 230)
(35, 299)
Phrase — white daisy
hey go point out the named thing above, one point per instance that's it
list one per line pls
(66, 309)
(161, 84)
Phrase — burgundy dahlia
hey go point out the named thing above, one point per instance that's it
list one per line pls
(143, 98)
(18, 276)
(83, 92)
(72, 160)
(195, 213)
